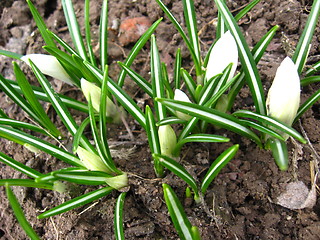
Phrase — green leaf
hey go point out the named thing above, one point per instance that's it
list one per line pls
(118, 217)
(178, 170)
(315, 68)
(69, 102)
(63, 44)
(136, 49)
(246, 58)
(18, 212)
(177, 72)
(77, 202)
(191, 85)
(191, 23)
(10, 54)
(88, 33)
(19, 136)
(33, 101)
(25, 183)
(279, 152)
(261, 128)
(302, 50)
(153, 139)
(19, 166)
(307, 104)
(143, 84)
(183, 35)
(73, 28)
(157, 79)
(17, 124)
(18, 99)
(40, 24)
(308, 80)
(170, 121)
(217, 165)
(246, 9)
(177, 214)
(212, 116)
(166, 82)
(84, 177)
(272, 122)
(103, 34)
(201, 137)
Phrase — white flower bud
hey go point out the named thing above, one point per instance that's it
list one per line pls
(167, 139)
(181, 96)
(91, 161)
(48, 65)
(91, 90)
(284, 94)
(224, 52)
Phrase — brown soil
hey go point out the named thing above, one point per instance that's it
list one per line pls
(242, 199)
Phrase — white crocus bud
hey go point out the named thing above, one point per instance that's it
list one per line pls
(167, 139)
(284, 94)
(48, 65)
(91, 161)
(181, 96)
(224, 52)
(91, 90)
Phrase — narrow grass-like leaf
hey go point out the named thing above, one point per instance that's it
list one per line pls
(312, 70)
(143, 84)
(33, 101)
(302, 50)
(58, 105)
(88, 32)
(208, 89)
(73, 28)
(221, 29)
(308, 80)
(153, 139)
(178, 170)
(17, 98)
(188, 128)
(246, 58)
(25, 183)
(10, 54)
(170, 121)
(191, 23)
(18, 212)
(157, 79)
(63, 44)
(40, 94)
(191, 85)
(272, 122)
(77, 202)
(40, 24)
(122, 97)
(103, 153)
(103, 34)
(103, 118)
(19, 136)
(79, 133)
(307, 104)
(49, 177)
(262, 128)
(199, 138)
(183, 35)
(19, 124)
(166, 81)
(19, 166)
(84, 177)
(177, 214)
(217, 165)
(86, 73)
(246, 9)
(177, 67)
(136, 49)
(279, 152)
(118, 217)
(212, 116)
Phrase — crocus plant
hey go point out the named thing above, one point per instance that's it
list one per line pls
(205, 98)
